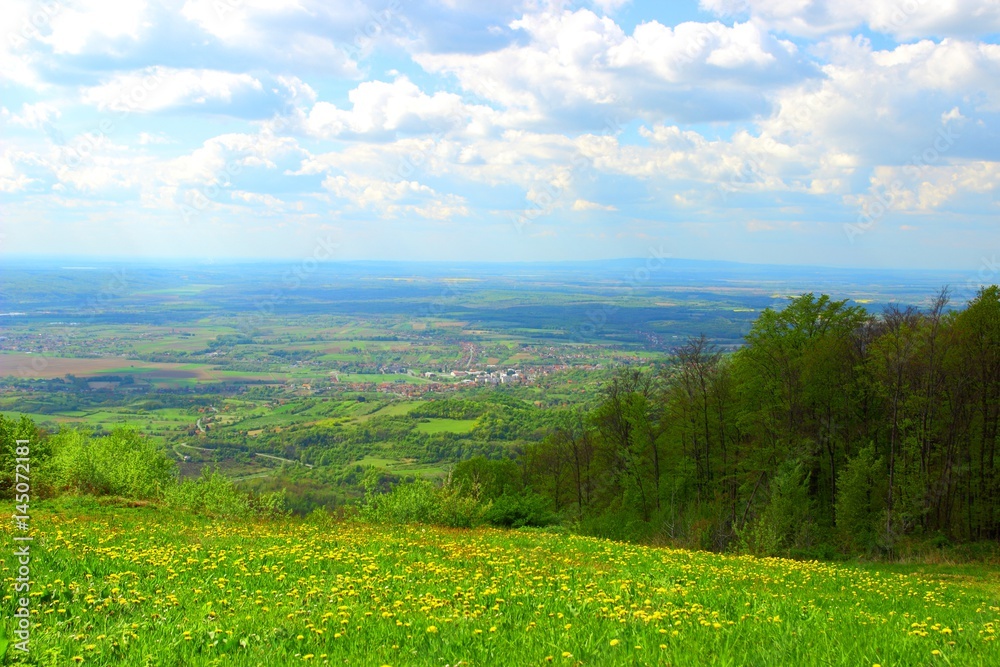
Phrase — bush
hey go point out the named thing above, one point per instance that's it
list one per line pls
(517, 511)
(10, 432)
(213, 494)
(124, 463)
(616, 523)
(406, 503)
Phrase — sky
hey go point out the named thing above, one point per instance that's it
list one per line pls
(855, 133)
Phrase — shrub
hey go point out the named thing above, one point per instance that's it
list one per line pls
(405, 503)
(213, 494)
(39, 450)
(124, 463)
(517, 511)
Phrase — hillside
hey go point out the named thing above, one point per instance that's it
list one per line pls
(146, 586)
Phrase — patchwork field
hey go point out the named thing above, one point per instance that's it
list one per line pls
(37, 366)
(140, 586)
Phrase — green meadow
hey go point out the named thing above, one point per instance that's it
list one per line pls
(116, 585)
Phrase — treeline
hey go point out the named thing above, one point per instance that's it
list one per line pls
(831, 429)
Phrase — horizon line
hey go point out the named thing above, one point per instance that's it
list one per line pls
(203, 262)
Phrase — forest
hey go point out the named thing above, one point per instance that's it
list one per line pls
(832, 429)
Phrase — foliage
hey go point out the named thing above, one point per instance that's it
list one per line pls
(39, 450)
(124, 463)
(829, 425)
(518, 511)
(139, 586)
(214, 494)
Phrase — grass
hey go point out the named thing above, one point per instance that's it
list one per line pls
(441, 425)
(403, 467)
(141, 586)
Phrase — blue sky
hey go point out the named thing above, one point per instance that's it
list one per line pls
(858, 133)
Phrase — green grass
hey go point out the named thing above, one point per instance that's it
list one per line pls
(403, 467)
(141, 586)
(436, 425)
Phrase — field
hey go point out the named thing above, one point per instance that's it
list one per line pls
(140, 586)
(446, 425)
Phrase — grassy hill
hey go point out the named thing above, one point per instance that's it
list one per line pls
(145, 586)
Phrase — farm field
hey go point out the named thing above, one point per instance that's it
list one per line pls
(446, 425)
(141, 586)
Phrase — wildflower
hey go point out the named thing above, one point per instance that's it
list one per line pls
(614, 642)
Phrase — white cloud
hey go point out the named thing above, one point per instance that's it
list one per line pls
(904, 19)
(584, 205)
(610, 6)
(929, 188)
(395, 198)
(157, 88)
(316, 33)
(887, 106)
(381, 108)
(147, 138)
(11, 179)
(35, 116)
(224, 156)
(577, 67)
(257, 199)
(78, 26)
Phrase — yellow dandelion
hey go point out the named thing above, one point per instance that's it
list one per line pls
(432, 629)
(614, 642)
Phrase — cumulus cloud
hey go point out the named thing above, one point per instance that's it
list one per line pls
(158, 88)
(930, 188)
(11, 178)
(577, 68)
(382, 109)
(34, 116)
(447, 110)
(78, 26)
(584, 205)
(905, 19)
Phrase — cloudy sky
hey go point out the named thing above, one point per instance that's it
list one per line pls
(850, 133)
